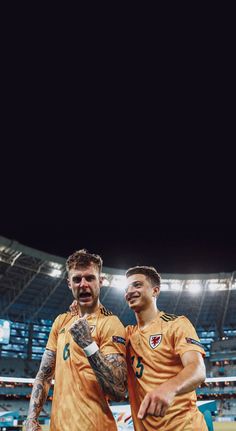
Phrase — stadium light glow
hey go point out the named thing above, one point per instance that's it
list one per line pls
(212, 285)
(194, 286)
(176, 285)
(105, 281)
(118, 281)
(164, 286)
(54, 269)
(55, 273)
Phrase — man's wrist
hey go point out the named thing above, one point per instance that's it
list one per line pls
(91, 349)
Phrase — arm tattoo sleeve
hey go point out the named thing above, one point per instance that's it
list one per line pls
(42, 384)
(111, 373)
(110, 370)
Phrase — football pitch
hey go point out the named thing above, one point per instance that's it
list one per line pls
(224, 426)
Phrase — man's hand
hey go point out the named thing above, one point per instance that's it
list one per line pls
(156, 402)
(74, 308)
(81, 332)
(188, 379)
(32, 425)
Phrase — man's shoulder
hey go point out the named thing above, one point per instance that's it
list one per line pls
(107, 318)
(62, 319)
(172, 319)
(169, 317)
(104, 312)
(130, 329)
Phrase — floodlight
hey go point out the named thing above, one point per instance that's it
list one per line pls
(105, 282)
(55, 273)
(118, 281)
(164, 286)
(176, 285)
(216, 286)
(193, 286)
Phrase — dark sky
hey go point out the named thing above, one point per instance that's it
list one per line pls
(171, 248)
(138, 182)
(174, 213)
(138, 216)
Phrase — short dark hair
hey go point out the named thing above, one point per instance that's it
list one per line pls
(150, 272)
(83, 258)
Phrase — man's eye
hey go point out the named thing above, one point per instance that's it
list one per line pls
(90, 278)
(138, 285)
(76, 279)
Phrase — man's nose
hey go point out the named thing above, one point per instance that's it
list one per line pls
(129, 289)
(83, 282)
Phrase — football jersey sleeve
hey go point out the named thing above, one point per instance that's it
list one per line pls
(185, 337)
(112, 337)
(128, 332)
(52, 339)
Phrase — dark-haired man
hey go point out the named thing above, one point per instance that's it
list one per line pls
(165, 360)
(86, 353)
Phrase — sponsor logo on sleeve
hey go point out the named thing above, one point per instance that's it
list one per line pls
(117, 339)
(192, 341)
(154, 340)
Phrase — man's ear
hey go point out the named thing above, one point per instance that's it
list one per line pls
(101, 278)
(69, 283)
(155, 291)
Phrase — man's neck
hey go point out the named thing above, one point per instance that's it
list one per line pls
(144, 317)
(89, 310)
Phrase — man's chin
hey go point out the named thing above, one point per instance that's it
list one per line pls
(86, 303)
(133, 306)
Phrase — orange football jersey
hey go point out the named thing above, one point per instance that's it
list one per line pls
(154, 356)
(78, 400)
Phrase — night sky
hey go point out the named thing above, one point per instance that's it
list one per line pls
(171, 248)
(136, 185)
(173, 213)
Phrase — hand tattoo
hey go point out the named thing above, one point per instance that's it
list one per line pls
(81, 333)
(110, 370)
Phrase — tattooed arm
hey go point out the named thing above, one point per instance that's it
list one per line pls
(40, 390)
(110, 370)
(111, 373)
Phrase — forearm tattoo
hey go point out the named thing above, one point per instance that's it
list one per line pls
(32, 425)
(110, 370)
(111, 373)
(41, 385)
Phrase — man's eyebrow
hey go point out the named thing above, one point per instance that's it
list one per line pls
(134, 283)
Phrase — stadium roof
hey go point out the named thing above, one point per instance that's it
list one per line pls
(33, 287)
